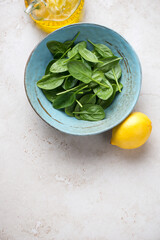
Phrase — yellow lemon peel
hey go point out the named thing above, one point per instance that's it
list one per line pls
(133, 132)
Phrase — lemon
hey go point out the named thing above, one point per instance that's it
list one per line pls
(133, 132)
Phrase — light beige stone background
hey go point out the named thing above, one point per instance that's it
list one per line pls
(59, 187)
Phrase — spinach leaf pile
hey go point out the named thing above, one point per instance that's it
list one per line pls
(82, 82)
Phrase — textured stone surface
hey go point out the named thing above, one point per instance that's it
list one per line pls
(55, 186)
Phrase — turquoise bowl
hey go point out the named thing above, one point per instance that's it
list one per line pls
(123, 103)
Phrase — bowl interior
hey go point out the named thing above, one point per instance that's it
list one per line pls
(123, 103)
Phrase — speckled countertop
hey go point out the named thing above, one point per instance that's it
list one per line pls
(59, 187)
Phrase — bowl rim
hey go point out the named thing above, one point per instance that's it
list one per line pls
(94, 132)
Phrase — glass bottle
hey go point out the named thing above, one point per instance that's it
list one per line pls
(50, 15)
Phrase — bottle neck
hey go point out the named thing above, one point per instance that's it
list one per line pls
(33, 6)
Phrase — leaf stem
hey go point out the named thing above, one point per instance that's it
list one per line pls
(81, 89)
(116, 80)
(74, 39)
(95, 94)
(65, 53)
(69, 90)
(79, 103)
(67, 60)
(99, 83)
(70, 58)
(90, 42)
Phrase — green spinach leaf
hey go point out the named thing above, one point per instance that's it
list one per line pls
(86, 64)
(108, 63)
(91, 112)
(115, 74)
(106, 103)
(98, 76)
(69, 82)
(97, 54)
(69, 110)
(117, 70)
(51, 94)
(59, 66)
(86, 99)
(73, 53)
(56, 48)
(102, 92)
(87, 55)
(102, 49)
(79, 71)
(120, 86)
(49, 65)
(65, 100)
(50, 81)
